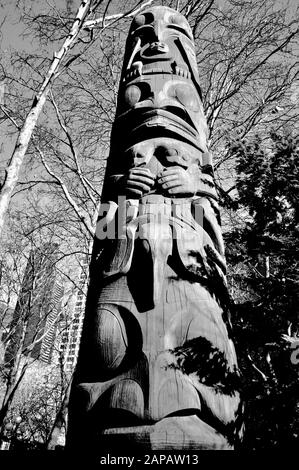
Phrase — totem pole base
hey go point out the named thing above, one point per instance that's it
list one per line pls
(169, 434)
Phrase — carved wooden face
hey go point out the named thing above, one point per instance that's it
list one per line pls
(159, 92)
(162, 152)
(161, 34)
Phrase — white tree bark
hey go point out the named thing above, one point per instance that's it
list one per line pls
(90, 24)
(79, 212)
(15, 163)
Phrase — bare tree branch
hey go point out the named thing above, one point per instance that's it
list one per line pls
(82, 216)
(102, 20)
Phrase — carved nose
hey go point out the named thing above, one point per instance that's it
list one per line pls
(157, 31)
(159, 47)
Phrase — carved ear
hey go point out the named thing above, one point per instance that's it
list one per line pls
(173, 393)
(127, 395)
(133, 94)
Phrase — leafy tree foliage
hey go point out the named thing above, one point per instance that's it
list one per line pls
(264, 265)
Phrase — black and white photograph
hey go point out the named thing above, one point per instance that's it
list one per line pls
(149, 226)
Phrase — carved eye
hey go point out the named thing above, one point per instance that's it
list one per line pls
(187, 96)
(138, 21)
(132, 95)
(179, 23)
(177, 19)
(141, 20)
(166, 151)
(171, 151)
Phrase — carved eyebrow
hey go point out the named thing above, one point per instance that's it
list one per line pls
(181, 29)
(142, 29)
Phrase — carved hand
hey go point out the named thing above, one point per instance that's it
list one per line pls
(138, 182)
(178, 181)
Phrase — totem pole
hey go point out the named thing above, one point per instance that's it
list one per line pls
(157, 368)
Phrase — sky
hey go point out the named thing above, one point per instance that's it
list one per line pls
(13, 37)
(12, 29)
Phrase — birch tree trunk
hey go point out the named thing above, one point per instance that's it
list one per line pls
(14, 379)
(60, 421)
(15, 163)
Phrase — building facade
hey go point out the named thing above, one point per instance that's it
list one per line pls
(72, 325)
(34, 321)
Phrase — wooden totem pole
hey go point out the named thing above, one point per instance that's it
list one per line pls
(157, 367)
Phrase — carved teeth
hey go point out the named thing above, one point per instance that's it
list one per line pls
(137, 68)
(182, 73)
(154, 70)
(135, 71)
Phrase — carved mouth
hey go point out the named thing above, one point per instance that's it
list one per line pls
(168, 115)
(171, 120)
(139, 69)
(182, 72)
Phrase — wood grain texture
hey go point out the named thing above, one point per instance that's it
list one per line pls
(157, 367)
